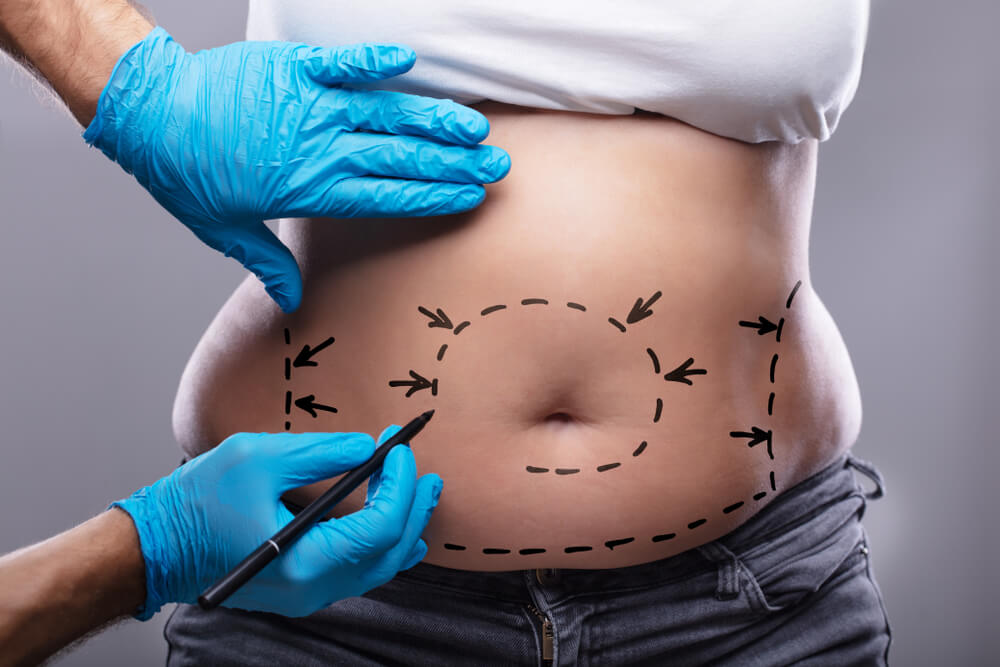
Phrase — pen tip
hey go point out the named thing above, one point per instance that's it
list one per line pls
(428, 414)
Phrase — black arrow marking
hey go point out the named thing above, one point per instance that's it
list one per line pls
(416, 384)
(757, 436)
(640, 310)
(679, 373)
(309, 404)
(304, 356)
(439, 320)
(765, 326)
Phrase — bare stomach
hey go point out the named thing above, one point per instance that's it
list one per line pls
(622, 345)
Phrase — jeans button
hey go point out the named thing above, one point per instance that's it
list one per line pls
(548, 576)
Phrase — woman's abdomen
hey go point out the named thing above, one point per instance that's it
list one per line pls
(622, 346)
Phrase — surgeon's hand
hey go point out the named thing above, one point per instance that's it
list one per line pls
(210, 513)
(229, 137)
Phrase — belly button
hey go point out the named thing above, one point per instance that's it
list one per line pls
(561, 420)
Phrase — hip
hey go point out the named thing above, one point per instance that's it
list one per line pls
(792, 584)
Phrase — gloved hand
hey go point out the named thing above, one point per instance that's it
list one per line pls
(197, 523)
(229, 137)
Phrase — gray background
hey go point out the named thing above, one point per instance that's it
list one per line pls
(105, 297)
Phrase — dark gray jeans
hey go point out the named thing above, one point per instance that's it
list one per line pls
(793, 585)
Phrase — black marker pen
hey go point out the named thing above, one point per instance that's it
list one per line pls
(305, 519)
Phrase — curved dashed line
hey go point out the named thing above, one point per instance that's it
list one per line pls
(656, 362)
(440, 354)
(610, 544)
(460, 327)
(601, 468)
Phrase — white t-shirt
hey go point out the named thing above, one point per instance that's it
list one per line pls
(753, 70)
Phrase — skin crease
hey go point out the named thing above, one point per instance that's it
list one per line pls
(598, 210)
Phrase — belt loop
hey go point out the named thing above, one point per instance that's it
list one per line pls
(871, 472)
(729, 569)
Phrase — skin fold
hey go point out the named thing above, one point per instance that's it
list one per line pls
(534, 401)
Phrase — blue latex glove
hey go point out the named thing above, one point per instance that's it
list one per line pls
(229, 137)
(210, 513)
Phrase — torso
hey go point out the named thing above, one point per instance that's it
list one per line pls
(535, 403)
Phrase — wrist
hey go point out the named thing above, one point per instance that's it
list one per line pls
(160, 548)
(137, 89)
(74, 44)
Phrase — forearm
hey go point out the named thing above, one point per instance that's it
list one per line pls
(56, 591)
(73, 44)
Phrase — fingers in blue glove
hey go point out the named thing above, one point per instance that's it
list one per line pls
(260, 251)
(297, 459)
(374, 530)
(364, 61)
(428, 493)
(406, 114)
(373, 481)
(399, 113)
(372, 197)
(423, 159)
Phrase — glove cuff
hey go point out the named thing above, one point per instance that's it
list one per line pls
(137, 507)
(137, 84)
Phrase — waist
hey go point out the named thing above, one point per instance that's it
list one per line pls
(611, 343)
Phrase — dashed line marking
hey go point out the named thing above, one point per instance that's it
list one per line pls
(656, 362)
(788, 304)
(731, 508)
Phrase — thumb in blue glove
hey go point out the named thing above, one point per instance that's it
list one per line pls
(229, 137)
(197, 523)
